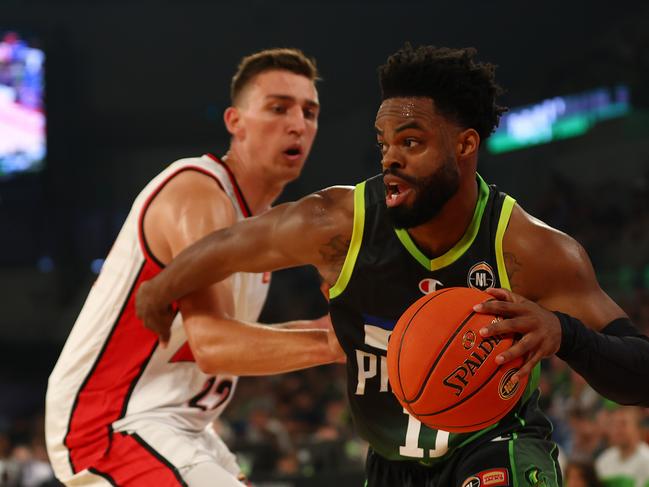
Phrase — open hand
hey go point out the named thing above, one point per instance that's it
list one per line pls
(155, 314)
(539, 328)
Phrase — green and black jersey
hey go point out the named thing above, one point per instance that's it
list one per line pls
(384, 272)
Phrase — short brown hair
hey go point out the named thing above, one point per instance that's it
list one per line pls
(284, 59)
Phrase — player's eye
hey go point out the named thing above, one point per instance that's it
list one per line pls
(381, 146)
(310, 113)
(278, 109)
(410, 142)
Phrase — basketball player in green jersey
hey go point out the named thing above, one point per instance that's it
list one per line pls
(430, 221)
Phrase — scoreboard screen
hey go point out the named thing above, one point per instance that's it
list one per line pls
(558, 118)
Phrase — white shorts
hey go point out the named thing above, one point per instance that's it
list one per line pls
(158, 455)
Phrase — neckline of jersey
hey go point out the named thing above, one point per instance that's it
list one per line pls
(243, 204)
(455, 252)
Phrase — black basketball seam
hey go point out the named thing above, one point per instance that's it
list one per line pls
(436, 295)
(484, 423)
(439, 357)
(467, 397)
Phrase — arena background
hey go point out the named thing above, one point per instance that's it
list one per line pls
(132, 86)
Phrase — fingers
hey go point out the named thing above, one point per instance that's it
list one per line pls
(502, 327)
(527, 367)
(161, 326)
(529, 349)
(164, 338)
(500, 294)
(519, 349)
(499, 308)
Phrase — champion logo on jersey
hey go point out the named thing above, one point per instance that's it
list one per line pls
(481, 276)
(429, 285)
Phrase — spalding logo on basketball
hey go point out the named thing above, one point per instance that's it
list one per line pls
(443, 372)
(468, 340)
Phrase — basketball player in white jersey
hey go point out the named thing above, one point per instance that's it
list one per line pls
(122, 408)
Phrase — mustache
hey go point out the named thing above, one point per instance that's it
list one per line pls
(396, 172)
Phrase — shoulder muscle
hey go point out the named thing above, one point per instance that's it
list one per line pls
(319, 228)
(190, 206)
(550, 267)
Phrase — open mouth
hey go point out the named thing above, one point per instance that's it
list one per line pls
(395, 192)
(293, 152)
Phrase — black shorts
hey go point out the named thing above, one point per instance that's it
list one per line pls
(509, 460)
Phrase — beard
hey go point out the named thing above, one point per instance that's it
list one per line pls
(431, 194)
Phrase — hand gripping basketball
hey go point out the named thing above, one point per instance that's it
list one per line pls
(443, 371)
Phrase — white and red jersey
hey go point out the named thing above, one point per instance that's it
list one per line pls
(112, 375)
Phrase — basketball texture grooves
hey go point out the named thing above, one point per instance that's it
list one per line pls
(442, 371)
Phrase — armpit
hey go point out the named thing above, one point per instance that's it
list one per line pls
(337, 219)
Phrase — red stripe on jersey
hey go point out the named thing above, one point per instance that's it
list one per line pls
(131, 461)
(243, 204)
(184, 354)
(104, 394)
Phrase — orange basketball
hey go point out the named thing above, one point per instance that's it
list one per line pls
(443, 372)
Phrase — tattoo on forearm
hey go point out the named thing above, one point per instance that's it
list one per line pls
(513, 266)
(334, 252)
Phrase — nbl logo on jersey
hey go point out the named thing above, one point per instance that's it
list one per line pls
(481, 276)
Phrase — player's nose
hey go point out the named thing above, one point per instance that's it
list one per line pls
(392, 159)
(296, 121)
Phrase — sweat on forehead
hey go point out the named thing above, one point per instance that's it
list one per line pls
(406, 107)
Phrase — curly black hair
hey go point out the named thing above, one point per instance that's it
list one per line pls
(462, 89)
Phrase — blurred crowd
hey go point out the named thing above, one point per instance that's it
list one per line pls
(611, 220)
(23, 457)
(297, 426)
(600, 442)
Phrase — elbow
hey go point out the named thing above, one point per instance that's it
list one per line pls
(203, 361)
(209, 350)
(212, 360)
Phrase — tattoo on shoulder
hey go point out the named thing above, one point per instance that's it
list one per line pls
(333, 254)
(513, 266)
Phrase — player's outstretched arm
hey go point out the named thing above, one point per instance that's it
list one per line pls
(222, 345)
(188, 208)
(289, 235)
(591, 332)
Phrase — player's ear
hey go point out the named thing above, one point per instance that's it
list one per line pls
(468, 142)
(232, 120)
